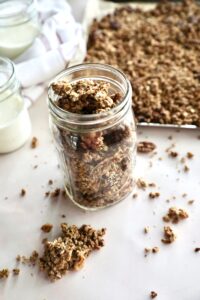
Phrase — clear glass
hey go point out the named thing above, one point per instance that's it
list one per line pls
(19, 26)
(96, 177)
(15, 124)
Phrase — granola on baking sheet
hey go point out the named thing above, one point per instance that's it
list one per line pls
(159, 51)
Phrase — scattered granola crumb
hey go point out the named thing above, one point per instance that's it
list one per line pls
(145, 147)
(153, 295)
(190, 155)
(46, 227)
(152, 184)
(4, 273)
(147, 251)
(169, 235)
(23, 192)
(155, 249)
(135, 195)
(184, 195)
(167, 200)
(175, 215)
(16, 271)
(35, 167)
(183, 160)
(69, 251)
(186, 168)
(173, 154)
(153, 195)
(197, 249)
(47, 194)
(170, 137)
(190, 202)
(160, 158)
(63, 216)
(18, 258)
(141, 184)
(50, 182)
(34, 142)
(55, 193)
(31, 260)
(146, 229)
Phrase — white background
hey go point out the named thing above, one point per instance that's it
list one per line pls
(119, 270)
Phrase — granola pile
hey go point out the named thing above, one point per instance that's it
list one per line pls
(98, 163)
(69, 251)
(159, 51)
(175, 215)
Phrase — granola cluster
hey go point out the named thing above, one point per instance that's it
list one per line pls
(175, 215)
(159, 51)
(69, 251)
(169, 235)
(98, 163)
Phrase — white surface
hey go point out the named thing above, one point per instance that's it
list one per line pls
(119, 270)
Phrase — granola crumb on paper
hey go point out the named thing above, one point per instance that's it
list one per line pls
(175, 215)
(186, 169)
(4, 273)
(50, 182)
(69, 251)
(155, 249)
(183, 160)
(173, 154)
(16, 271)
(190, 202)
(184, 195)
(197, 249)
(146, 229)
(55, 193)
(46, 227)
(169, 235)
(23, 192)
(153, 295)
(154, 195)
(34, 142)
(190, 155)
(145, 147)
(141, 184)
(135, 195)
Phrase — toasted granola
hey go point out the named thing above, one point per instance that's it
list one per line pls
(154, 195)
(69, 251)
(23, 192)
(145, 147)
(16, 271)
(4, 273)
(175, 215)
(169, 235)
(98, 163)
(197, 249)
(34, 142)
(159, 50)
(153, 295)
(46, 227)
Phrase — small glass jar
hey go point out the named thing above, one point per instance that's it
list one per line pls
(96, 177)
(19, 26)
(15, 126)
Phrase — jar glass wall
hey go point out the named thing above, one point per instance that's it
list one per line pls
(96, 151)
(15, 124)
(19, 26)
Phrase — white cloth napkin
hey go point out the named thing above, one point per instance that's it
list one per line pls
(51, 51)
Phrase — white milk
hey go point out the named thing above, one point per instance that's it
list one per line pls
(15, 40)
(15, 126)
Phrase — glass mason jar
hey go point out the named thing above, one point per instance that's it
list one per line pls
(96, 177)
(19, 26)
(15, 126)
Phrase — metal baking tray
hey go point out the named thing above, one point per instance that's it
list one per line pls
(99, 8)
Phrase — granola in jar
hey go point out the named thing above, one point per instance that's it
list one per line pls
(94, 132)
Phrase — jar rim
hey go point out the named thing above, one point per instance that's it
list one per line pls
(89, 118)
(21, 8)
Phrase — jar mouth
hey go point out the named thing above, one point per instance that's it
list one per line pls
(15, 11)
(90, 118)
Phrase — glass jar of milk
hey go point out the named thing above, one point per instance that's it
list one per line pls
(18, 26)
(15, 126)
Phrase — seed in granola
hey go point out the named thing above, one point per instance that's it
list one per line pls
(169, 235)
(4, 273)
(34, 142)
(175, 215)
(46, 227)
(23, 192)
(16, 271)
(145, 147)
(154, 195)
(197, 249)
(190, 155)
(173, 154)
(186, 169)
(155, 250)
(55, 193)
(190, 202)
(153, 295)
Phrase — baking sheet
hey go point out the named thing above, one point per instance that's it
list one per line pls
(97, 9)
